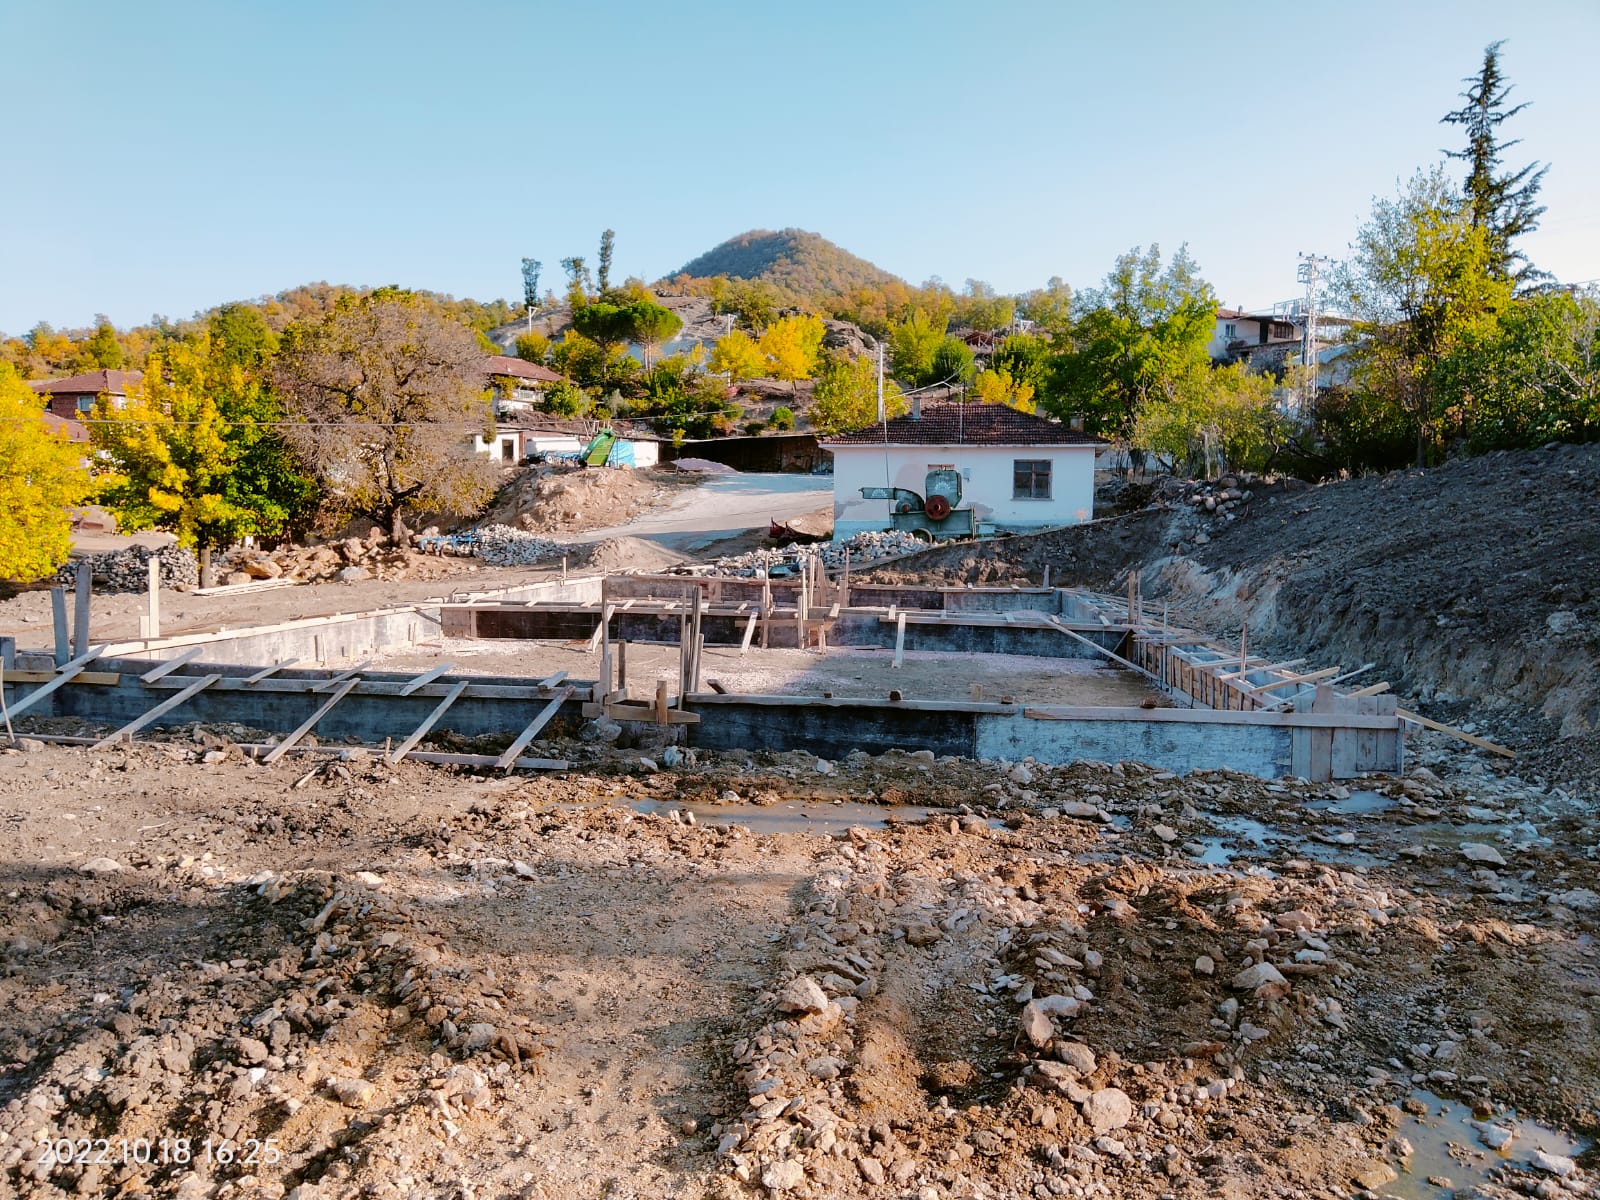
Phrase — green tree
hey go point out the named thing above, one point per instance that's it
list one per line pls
(1049, 308)
(608, 246)
(846, 396)
(41, 477)
(1531, 376)
(782, 417)
(952, 362)
(737, 354)
(102, 349)
(913, 344)
(171, 451)
(650, 325)
(1505, 204)
(1216, 419)
(1142, 334)
(981, 308)
(1419, 282)
(566, 399)
(384, 395)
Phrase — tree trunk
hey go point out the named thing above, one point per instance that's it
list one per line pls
(208, 576)
(399, 535)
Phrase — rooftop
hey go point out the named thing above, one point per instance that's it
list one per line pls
(965, 425)
(115, 382)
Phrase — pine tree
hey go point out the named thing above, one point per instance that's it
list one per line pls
(1506, 205)
(608, 244)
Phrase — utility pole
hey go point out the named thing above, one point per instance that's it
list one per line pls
(530, 287)
(1309, 273)
(882, 415)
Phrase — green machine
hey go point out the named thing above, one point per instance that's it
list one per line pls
(934, 518)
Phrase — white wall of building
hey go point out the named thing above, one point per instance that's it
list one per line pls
(987, 475)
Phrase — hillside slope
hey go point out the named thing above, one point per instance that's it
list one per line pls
(798, 264)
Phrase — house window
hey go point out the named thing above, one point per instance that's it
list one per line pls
(85, 403)
(1030, 479)
(508, 450)
(1230, 331)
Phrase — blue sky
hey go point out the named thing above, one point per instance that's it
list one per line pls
(165, 157)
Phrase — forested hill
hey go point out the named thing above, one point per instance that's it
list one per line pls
(800, 265)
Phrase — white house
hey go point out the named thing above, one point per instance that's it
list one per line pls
(1018, 472)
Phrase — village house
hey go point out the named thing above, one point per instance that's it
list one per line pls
(75, 395)
(1018, 472)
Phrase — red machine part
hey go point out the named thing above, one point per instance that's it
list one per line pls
(938, 507)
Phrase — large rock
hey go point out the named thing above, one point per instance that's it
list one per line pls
(1478, 852)
(1261, 979)
(802, 995)
(1077, 1056)
(783, 1175)
(1036, 1025)
(1107, 1109)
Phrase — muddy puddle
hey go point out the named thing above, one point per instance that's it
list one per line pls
(1455, 1152)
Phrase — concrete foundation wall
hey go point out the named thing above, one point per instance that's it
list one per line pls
(1172, 746)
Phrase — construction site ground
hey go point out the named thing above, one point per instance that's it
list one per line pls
(923, 674)
(978, 980)
(406, 981)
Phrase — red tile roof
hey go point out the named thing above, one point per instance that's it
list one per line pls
(76, 431)
(965, 425)
(518, 368)
(115, 382)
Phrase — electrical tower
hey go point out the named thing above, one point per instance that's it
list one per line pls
(1309, 273)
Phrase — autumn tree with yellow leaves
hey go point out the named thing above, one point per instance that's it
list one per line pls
(41, 477)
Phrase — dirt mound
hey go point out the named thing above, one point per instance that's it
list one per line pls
(627, 554)
(557, 500)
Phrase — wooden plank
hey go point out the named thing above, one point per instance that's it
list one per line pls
(1309, 677)
(1058, 623)
(64, 676)
(749, 632)
(83, 589)
(1405, 714)
(900, 641)
(342, 677)
(638, 710)
(507, 761)
(272, 670)
(426, 677)
(88, 678)
(550, 681)
(172, 664)
(428, 722)
(166, 706)
(1372, 689)
(309, 723)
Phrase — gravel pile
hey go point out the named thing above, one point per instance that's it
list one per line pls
(869, 546)
(503, 546)
(128, 570)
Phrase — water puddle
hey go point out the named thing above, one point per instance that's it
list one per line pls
(1250, 837)
(1356, 804)
(1449, 1145)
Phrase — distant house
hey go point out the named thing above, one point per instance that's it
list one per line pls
(1018, 472)
(70, 398)
(1262, 341)
(519, 385)
(543, 433)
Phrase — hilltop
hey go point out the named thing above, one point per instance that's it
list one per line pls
(797, 263)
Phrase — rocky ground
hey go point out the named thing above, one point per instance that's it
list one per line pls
(1097, 980)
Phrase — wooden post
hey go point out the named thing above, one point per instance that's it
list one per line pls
(683, 656)
(58, 613)
(155, 597)
(1244, 637)
(846, 597)
(1047, 575)
(622, 666)
(900, 640)
(766, 610)
(84, 582)
(661, 702)
(1132, 579)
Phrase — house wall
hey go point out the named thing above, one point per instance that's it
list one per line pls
(986, 483)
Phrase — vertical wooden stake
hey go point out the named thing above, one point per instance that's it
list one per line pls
(900, 640)
(155, 597)
(1131, 582)
(845, 599)
(80, 611)
(1047, 575)
(622, 667)
(661, 702)
(683, 657)
(1244, 636)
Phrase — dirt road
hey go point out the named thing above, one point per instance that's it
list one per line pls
(724, 506)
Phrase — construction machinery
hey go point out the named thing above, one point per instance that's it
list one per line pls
(935, 517)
